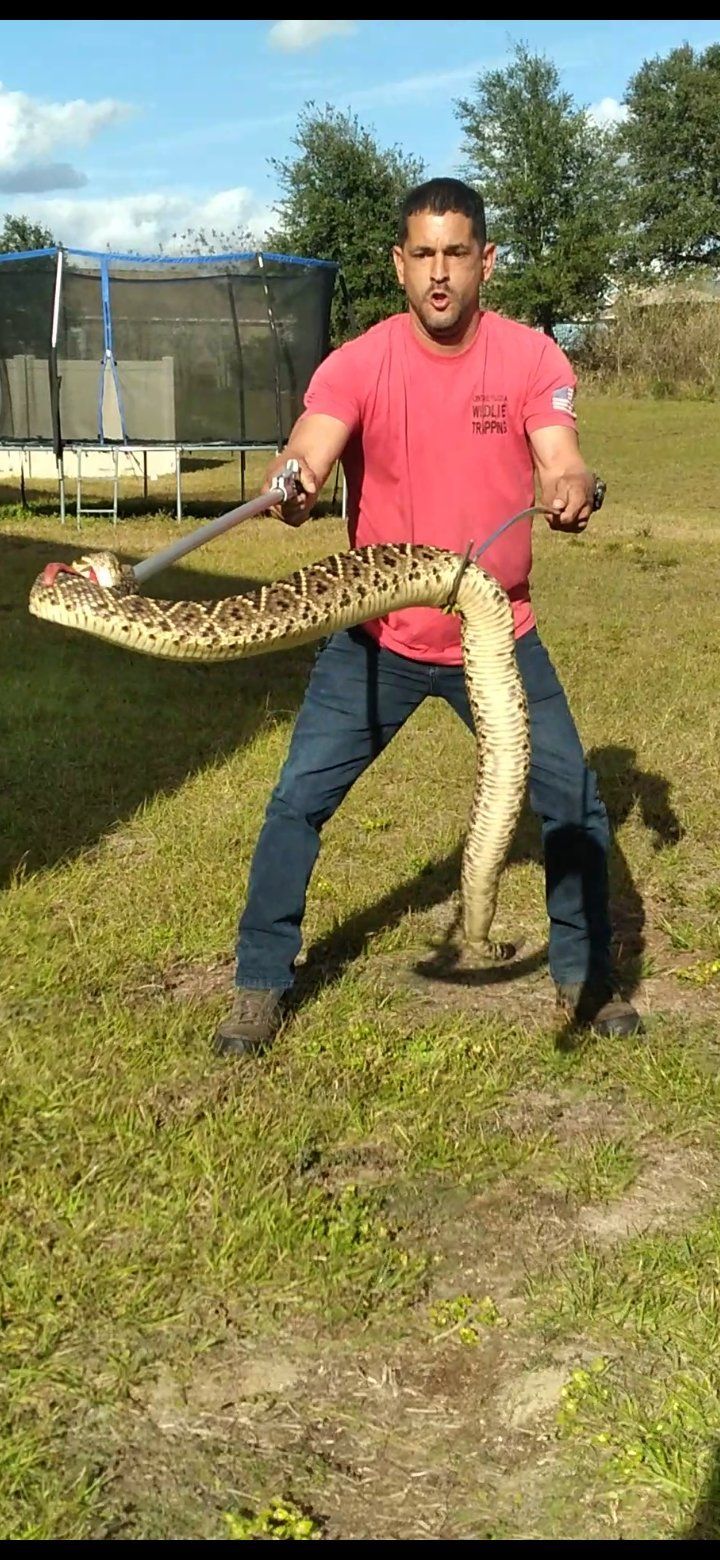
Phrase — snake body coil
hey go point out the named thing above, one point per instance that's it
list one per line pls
(341, 592)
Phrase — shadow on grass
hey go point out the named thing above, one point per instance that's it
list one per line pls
(624, 786)
(88, 733)
(330, 956)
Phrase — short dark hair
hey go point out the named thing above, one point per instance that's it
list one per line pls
(439, 196)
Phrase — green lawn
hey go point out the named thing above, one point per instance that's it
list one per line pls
(423, 1272)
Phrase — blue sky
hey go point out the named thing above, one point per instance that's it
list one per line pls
(122, 133)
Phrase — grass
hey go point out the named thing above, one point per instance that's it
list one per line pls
(422, 1273)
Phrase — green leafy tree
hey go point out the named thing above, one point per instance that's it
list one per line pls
(210, 241)
(672, 141)
(341, 193)
(20, 233)
(551, 180)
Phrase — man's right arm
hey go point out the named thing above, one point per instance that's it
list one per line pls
(316, 442)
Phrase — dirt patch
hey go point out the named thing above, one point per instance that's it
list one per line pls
(670, 1186)
(185, 982)
(196, 981)
(669, 988)
(354, 1164)
(532, 1396)
(165, 1400)
(419, 1438)
(132, 847)
(487, 1243)
(566, 1116)
(427, 1435)
(667, 993)
(184, 1101)
(219, 1390)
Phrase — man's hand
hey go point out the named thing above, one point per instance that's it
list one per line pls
(573, 502)
(295, 510)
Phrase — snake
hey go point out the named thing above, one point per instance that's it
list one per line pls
(98, 595)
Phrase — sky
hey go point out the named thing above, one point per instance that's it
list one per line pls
(121, 134)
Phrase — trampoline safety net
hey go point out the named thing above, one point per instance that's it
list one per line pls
(108, 349)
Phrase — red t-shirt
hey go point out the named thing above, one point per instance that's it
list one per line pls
(438, 453)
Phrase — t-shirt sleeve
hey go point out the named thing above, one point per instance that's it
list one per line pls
(333, 389)
(550, 397)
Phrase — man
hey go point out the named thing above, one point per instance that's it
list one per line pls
(442, 416)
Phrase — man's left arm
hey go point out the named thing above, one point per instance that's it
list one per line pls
(567, 486)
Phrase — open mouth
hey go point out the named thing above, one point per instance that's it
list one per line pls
(440, 301)
(51, 571)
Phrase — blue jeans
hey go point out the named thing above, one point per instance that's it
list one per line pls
(358, 697)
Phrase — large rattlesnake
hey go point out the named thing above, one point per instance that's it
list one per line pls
(100, 597)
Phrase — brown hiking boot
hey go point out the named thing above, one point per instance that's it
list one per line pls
(597, 1006)
(251, 1024)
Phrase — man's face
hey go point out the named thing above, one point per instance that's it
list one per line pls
(441, 267)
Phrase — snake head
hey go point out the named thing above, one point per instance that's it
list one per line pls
(100, 568)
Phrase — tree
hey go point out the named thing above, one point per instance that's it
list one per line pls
(210, 241)
(19, 233)
(341, 194)
(551, 181)
(672, 141)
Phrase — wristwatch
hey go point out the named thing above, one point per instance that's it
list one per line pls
(599, 493)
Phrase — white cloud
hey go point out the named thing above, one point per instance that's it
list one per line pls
(292, 36)
(42, 176)
(31, 131)
(608, 112)
(146, 222)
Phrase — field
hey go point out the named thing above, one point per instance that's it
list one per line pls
(424, 1272)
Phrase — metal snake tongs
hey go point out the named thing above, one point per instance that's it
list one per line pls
(286, 484)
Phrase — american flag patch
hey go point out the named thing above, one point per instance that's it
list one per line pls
(563, 400)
